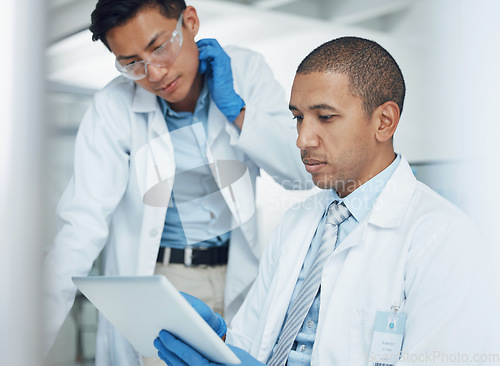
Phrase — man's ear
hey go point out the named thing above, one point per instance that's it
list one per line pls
(191, 21)
(387, 116)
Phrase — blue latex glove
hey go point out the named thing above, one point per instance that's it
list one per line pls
(217, 65)
(214, 320)
(175, 352)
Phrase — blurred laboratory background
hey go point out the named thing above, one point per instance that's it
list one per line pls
(448, 51)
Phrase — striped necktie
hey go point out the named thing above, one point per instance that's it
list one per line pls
(335, 216)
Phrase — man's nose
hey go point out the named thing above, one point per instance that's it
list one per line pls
(155, 73)
(308, 135)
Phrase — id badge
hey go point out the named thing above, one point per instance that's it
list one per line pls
(387, 338)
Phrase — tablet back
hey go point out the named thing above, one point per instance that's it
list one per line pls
(140, 306)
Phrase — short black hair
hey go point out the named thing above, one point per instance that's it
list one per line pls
(109, 14)
(373, 74)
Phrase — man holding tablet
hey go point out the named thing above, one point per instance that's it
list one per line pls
(376, 269)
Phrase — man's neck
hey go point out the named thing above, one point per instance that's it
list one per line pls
(188, 104)
(379, 165)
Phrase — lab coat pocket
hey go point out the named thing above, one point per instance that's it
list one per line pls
(362, 321)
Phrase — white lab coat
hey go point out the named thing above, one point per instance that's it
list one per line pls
(414, 248)
(102, 207)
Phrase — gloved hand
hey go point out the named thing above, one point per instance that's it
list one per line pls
(214, 320)
(175, 352)
(217, 65)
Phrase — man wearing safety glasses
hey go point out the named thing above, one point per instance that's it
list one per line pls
(171, 88)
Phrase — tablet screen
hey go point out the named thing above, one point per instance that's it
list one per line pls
(141, 306)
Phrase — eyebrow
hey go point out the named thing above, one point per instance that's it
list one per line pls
(316, 106)
(153, 40)
(324, 106)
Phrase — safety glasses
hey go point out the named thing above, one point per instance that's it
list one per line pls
(161, 57)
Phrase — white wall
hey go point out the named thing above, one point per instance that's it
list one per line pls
(478, 73)
(21, 126)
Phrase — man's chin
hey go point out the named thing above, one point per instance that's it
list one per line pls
(322, 182)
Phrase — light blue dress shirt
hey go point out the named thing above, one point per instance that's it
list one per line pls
(359, 204)
(190, 147)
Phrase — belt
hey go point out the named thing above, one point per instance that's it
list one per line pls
(209, 256)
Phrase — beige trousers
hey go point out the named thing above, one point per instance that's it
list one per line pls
(205, 283)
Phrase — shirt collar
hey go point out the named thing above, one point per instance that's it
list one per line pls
(361, 201)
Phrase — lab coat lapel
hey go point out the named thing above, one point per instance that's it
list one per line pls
(150, 171)
(389, 207)
(217, 123)
(293, 253)
(158, 124)
(159, 149)
(391, 204)
(145, 102)
(155, 160)
(239, 196)
(354, 238)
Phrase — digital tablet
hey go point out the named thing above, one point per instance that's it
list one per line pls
(141, 306)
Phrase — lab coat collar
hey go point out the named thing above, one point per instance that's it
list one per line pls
(146, 102)
(143, 101)
(217, 122)
(390, 206)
